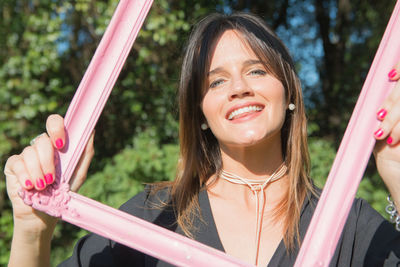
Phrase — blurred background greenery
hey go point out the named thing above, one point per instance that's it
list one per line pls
(46, 45)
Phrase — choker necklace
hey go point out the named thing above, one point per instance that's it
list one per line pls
(256, 186)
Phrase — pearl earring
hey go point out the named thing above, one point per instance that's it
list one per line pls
(204, 126)
(291, 106)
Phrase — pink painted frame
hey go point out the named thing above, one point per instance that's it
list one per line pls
(352, 157)
(85, 110)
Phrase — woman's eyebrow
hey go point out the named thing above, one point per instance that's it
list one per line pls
(251, 62)
(214, 71)
(247, 63)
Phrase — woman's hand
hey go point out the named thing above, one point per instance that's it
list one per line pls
(387, 149)
(34, 168)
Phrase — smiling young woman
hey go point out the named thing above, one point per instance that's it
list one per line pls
(232, 63)
(242, 184)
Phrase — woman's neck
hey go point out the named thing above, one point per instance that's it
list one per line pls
(252, 162)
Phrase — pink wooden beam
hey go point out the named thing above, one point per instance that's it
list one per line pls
(354, 152)
(142, 235)
(99, 79)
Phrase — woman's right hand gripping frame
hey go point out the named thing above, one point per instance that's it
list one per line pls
(34, 168)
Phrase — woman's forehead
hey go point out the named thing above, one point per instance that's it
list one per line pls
(231, 47)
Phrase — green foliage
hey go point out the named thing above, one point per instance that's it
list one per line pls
(374, 191)
(322, 154)
(6, 231)
(145, 161)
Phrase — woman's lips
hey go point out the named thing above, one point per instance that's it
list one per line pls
(245, 117)
(242, 111)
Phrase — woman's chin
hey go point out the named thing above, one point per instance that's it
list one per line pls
(248, 138)
(252, 138)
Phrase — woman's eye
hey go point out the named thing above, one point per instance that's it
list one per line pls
(216, 83)
(258, 72)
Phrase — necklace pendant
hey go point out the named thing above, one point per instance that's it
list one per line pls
(258, 187)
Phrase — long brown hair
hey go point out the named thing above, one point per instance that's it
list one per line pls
(200, 156)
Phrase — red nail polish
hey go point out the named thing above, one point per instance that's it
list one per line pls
(59, 143)
(28, 183)
(381, 114)
(40, 183)
(378, 133)
(392, 73)
(389, 140)
(48, 178)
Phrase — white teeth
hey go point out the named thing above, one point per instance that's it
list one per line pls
(244, 110)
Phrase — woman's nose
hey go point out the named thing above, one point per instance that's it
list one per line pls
(239, 89)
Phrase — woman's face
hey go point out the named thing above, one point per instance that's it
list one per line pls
(243, 104)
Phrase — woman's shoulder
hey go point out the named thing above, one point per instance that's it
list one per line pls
(153, 204)
(362, 218)
(373, 239)
(368, 239)
(360, 207)
(150, 195)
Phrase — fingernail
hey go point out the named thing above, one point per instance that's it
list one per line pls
(378, 133)
(28, 183)
(392, 73)
(381, 114)
(40, 183)
(48, 178)
(389, 140)
(59, 143)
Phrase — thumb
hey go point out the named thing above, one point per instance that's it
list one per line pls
(79, 176)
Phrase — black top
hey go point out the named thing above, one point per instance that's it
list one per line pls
(367, 239)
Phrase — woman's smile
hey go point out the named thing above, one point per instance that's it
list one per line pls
(248, 111)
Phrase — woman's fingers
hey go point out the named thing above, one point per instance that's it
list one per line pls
(44, 150)
(394, 137)
(55, 130)
(394, 74)
(81, 169)
(18, 175)
(15, 167)
(39, 162)
(32, 165)
(389, 114)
